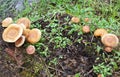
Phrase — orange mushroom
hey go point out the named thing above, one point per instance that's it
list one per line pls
(110, 40)
(24, 21)
(20, 41)
(12, 33)
(7, 21)
(86, 19)
(86, 29)
(108, 49)
(75, 20)
(30, 49)
(34, 36)
(26, 32)
(100, 32)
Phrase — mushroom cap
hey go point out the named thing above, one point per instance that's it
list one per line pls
(108, 49)
(20, 41)
(34, 36)
(23, 26)
(24, 21)
(100, 32)
(12, 33)
(86, 29)
(75, 20)
(26, 32)
(86, 19)
(30, 49)
(7, 21)
(110, 40)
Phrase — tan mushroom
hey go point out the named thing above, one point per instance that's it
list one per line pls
(86, 29)
(26, 32)
(24, 21)
(110, 40)
(12, 33)
(7, 21)
(75, 20)
(108, 49)
(100, 32)
(30, 49)
(20, 41)
(34, 36)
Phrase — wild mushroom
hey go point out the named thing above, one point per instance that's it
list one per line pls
(100, 32)
(86, 29)
(108, 49)
(12, 33)
(110, 40)
(20, 41)
(34, 36)
(75, 20)
(86, 19)
(26, 32)
(7, 21)
(24, 21)
(30, 49)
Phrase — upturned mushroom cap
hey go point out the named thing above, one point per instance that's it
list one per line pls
(20, 41)
(108, 49)
(34, 36)
(75, 20)
(24, 21)
(30, 49)
(12, 33)
(100, 32)
(86, 29)
(110, 40)
(7, 21)
(26, 32)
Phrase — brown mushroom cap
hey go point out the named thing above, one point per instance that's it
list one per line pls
(34, 36)
(75, 20)
(86, 29)
(7, 21)
(110, 40)
(26, 32)
(24, 21)
(100, 32)
(30, 49)
(20, 41)
(108, 49)
(12, 33)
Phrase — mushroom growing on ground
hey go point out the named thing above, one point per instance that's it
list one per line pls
(30, 49)
(20, 41)
(75, 20)
(12, 33)
(26, 32)
(86, 19)
(110, 40)
(24, 21)
(34, 36)
(7, 21)
(108, 49)
(86, 29)
(100, 32)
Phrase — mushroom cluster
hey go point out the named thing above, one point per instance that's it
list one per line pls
(109, 40)
(19, 32)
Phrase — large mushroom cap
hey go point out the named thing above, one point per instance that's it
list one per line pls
(7, 21)
(12, 33)
(20, 41)
(24, 21)
(100, 32)
(110, 40)
(34, 36)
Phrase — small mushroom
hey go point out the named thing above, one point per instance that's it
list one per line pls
(110, 40)
(86, 29)
(26, 32)
(100, 32)
(12, 33)
(30, 49)
(108, 49)
(20, 41)
(24, 21)
(86, 19)
(7, 21)
(34, 36)
(75, 20)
